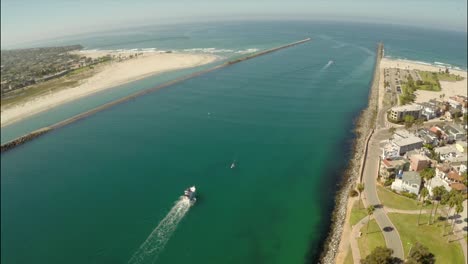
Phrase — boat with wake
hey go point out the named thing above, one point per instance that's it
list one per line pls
(189, 194)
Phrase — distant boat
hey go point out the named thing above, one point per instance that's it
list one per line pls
(233, 165)
(329, 63)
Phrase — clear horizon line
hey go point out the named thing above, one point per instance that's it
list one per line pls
(32, 43)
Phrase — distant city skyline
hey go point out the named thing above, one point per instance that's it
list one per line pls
(28, 21)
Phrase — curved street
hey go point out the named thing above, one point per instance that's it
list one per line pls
(391, 235)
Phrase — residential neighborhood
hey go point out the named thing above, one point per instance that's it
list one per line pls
(413, 186)
(406, 154)
(22, 68)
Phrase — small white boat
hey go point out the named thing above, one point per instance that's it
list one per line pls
(233, 165)
(189, 194)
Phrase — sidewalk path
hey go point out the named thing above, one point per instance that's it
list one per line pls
(399, 211)
(353, 241)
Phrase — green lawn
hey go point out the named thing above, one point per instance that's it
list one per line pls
(349, 257)
(449, 77)
(407, 95)
(375, 238)
(356, 213)
(428, 235)
(396, 201)
(430, 80)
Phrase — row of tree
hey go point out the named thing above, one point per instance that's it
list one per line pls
(419, 254)
(440, 196)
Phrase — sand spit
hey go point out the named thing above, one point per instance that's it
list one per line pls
(114, 74)
(28, 137)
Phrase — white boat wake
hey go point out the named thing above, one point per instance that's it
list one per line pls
(148, 252)
(327, 65)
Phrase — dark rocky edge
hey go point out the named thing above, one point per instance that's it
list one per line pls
(365, 125)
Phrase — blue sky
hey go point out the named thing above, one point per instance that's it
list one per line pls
(29, 20)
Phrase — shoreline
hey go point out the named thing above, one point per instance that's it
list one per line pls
(34, 134)
(109, 76)
(435, 64)
(364, 125)
(388, 62)
(448, 88)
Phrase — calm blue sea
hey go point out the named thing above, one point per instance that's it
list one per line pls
(94, 191)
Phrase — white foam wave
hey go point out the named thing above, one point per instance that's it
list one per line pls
(247, 51)
(434, 64)
(208, 50)
(140, 50)
(423, 63)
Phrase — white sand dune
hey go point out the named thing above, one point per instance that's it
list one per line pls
(114, 74)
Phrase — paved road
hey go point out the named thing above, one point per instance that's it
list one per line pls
(392, 238)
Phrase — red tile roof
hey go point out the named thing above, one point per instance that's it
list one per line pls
(434, 130)
(443, 167)
(387, 162)
(454, 176)
(458, 186)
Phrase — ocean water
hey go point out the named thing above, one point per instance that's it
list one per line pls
(96, 190)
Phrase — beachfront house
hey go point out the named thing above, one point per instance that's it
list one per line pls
(430, 110)
(454, 103)
(459, 187)
(404, 145)
(461, 99)
(390, 167)
(455, 132)
(428, 136)
(447, 176)
(435, 182)
(456, 181)
(398, 113)
(409, 181)
(419, 162)
(454, 176)
(450, 153)
(389, 151)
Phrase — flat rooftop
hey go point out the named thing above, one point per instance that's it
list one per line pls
(407, 108)
(407, 141)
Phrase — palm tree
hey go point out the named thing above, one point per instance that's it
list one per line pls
(428, 174)
(458, 209)
(458, 204)
(451, 201)
(438, 192)
(360, 188)
(424, 193)
(370, 211)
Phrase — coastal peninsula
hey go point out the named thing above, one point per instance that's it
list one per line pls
(438, 94)
(125, 67)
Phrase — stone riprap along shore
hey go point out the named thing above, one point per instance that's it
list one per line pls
(364, 125)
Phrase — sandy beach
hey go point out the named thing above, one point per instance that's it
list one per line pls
(448, 88)
(114, 74)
